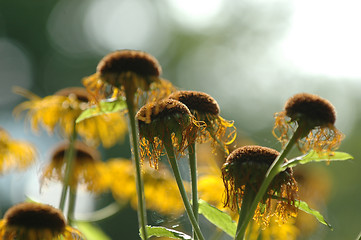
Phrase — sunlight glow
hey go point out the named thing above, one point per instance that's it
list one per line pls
(194, 14)
(325, 38)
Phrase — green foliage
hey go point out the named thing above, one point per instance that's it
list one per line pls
(221, 219)
(165, 232)
(304, 207)
(313, 156)
(91, 231)
(104, 107)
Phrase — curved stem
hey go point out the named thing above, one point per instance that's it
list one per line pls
(142, 214)
(172, 160)
(193, 169)
(101, 214)
(273, 170)
(69, 157)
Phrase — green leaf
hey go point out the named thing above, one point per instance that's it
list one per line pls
(304, 207)
(221, 219)
(91, 232)
(165, 232)
(103, 107)
(313, 156)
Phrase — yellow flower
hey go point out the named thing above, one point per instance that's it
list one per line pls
(158, 121)
(33, 221)
(286, 231)
(88, 170)
(315, 116)
(63, 108)
(15, 154)
(206, 109)
(128, 72)
(245, 169)
(160, 188)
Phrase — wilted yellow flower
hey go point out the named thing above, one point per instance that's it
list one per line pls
(15, 154)
(206, 109)
(34, 221)
(315, 116)
(157, 121)
(160, 188)
(63, 108)
(210, 185)
(245, 170)
(88, 170)
(128, 72)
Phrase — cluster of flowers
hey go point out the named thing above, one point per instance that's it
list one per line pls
(164, 122)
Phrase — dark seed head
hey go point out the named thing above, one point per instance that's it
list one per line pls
(35, 216)
(197, 101)
(123, 61)
(255, 154)
(164, 108)
(84, 153)
(312, 108)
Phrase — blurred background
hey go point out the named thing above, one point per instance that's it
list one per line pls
(250, 55)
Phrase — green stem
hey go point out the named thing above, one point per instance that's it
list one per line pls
(69, 159)
(71, 207)
(247, 200)
(273, 170)
(193, 169)
(173, 162)
(142, 214)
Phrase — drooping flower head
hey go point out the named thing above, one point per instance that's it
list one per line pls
(206, 109)
(245, 170)
(63, 108)
(88, 170)
(15, 154)
(161, 192)
(125, 72)
(34, 221)
(159, 120)
(316, 116)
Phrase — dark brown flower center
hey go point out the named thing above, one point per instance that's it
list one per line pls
(256, 154)
(123, 61)
(311, 108)
(84, 153)
(35, 216)
(161, 109)
(197, 101)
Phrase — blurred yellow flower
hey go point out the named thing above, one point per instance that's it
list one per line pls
(160, 188)
(315, 116)
(63, 108)
(34, 221)
(206, 109)
(286, 231)
(88, 170)
(15, 154)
